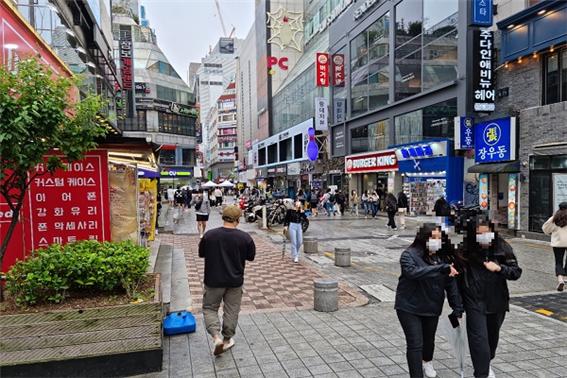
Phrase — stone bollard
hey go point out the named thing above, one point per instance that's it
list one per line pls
(342, 257)
(310, 245)
(326, 295)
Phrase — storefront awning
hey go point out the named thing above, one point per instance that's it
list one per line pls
(508, 167)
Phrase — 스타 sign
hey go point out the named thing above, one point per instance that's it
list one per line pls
(371, 162)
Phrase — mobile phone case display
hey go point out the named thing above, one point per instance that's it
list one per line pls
(147, 209)
(423, 194)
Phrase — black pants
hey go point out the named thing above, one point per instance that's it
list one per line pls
(560, 262)
(420, 340)
(483, 331)
(391, 220)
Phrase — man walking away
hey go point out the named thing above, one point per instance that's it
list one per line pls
(391, 205)
(442, 210)
(218, 197)
(341, 200)
(403, 208)
(225, 250)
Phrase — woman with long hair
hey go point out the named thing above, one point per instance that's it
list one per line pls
(427, 275)
(293, 218)
(202, 210)
(556, 226)
(485, 262)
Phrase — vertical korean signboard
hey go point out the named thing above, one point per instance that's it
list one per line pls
(339, 70)
(512, 195)
(464, 133)
(322, 74)
(72, 204)
(483, 83)
(127, 67)
(321, 113)
(481, 13)
(483, 200)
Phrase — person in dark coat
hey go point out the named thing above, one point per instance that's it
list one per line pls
(427, 275)
(341, 201)
(486, 262)
(391, 205)
(403, 209)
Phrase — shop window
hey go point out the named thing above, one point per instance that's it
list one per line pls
(285, 150)
(262, 156)
(167, 157)
(555, 77)
(273, 153)
(298, 146)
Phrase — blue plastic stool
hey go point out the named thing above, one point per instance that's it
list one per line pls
(179, 322)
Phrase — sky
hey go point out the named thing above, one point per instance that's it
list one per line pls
(186, 28)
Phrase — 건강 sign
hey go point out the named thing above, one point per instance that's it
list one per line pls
(371, 162)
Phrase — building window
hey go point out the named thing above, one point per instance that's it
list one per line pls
(547, 175)
(555, 77)
(408, 127)
(262, 156)
(298, 146)
(285, 150)
(273, 153)
(438, 119)
(188, 157)
(369, 137)
(176, 124)
(138, 123)
(167, 157)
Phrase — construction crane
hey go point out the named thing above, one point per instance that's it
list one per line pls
(222, 22)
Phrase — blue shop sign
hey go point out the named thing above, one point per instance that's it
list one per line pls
(464, 133)
(481, 14)
(495, 141)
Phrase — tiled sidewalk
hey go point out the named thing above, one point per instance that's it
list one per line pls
(271, 282)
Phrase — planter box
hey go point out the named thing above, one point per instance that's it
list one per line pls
(102, 341)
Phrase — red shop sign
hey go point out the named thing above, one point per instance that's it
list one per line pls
(372, 162)
(323, 64)
(71, 204)
(338, 70)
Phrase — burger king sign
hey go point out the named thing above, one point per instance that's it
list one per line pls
(372, 162)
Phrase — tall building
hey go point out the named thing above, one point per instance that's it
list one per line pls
(158, 105)
(86, 47)
(221, 135)
(246, 106)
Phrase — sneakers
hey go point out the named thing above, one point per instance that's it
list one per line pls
(228, 343)
(491, 373)
(219, 346)
(561, 286)
(296, 260)
(428, 369)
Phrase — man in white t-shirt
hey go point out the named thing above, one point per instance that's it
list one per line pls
(218, 196)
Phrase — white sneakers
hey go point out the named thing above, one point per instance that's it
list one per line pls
(491, 373)
(428, 369)
(296, 259)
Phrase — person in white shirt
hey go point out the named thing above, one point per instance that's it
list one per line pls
(556, 226)
(218, 197)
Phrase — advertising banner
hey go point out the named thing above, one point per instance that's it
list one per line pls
(559, 189)
(339, 147)
(495, 141)
(483, 199)
(464, 133)
(71, 204)
(483, 81)
(338, 70)
(322, 64)
(123, 203)
(371, 162)
(512, 193)
(321, 114)
(147, 207)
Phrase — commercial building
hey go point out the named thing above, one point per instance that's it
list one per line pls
(221, 142)
(158, 105)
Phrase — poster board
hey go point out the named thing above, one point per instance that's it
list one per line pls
(559, 189)
(123, 203)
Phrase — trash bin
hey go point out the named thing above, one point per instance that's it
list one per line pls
(325, 295)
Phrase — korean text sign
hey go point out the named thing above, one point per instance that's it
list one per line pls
(464, 133)
(495, 140)
(322, 65)
(321, 113)
(339, 70)
(483, 70)
(72, 204)
(481, 13)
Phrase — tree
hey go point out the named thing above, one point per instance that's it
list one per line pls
(38, 115)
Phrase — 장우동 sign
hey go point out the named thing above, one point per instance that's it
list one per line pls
(495, 141)
(464, 133)
(481, 13)
(321, 113)
(371, 162)
(322, 65)
(483, 82)
(338, 70)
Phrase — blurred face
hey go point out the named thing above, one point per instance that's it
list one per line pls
(484, 236)
(297, 205)
(434, 243)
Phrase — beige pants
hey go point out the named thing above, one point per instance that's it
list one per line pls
(402, 216)
(231, 298)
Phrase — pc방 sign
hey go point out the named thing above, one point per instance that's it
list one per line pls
(483, 83)
(495, 141)
(322, 65)
(371, 162)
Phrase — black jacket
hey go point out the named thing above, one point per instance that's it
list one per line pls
(293, 216)
(442, 207)
(225, 251)
(402, 201)
(391, 203)
(487, 291)
(422, 286)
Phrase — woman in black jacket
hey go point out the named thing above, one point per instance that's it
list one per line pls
(427, 274)
(293, 218)
(486, 262)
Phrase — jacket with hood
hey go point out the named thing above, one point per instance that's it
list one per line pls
(423, 284)
(487, 291)
(558, 234)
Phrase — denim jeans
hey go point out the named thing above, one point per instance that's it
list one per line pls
(329, 207)
(374, 208)
(296, 238)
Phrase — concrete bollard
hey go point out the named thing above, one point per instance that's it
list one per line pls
(310, 245)
(325, 295)
(264, 218)
(342, 257)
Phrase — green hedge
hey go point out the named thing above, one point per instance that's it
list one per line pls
(90, 265)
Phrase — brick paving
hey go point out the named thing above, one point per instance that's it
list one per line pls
(271, 282)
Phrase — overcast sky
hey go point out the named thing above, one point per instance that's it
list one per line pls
(186, 28)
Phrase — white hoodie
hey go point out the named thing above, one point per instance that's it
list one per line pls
(558, 234)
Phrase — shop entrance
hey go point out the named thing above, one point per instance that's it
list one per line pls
(373, 181)
(423, 192)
